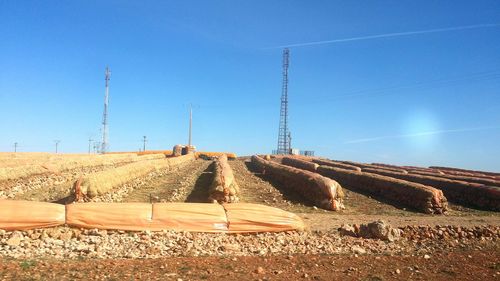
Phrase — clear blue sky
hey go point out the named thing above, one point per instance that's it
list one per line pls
(430, 98)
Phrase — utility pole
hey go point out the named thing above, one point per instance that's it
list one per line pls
(57, 144)
(104, 146)
(190, 123)
(90, 141)
(283, 133)
(15, 147)
(144, 143)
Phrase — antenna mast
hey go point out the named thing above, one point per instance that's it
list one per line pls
(283, 134)
(104, 146)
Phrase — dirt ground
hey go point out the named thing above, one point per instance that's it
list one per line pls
(458, 265)
(186, 184)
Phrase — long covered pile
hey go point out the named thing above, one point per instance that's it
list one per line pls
(467, 172)
(421, 197)
(473, 194)
(364, 166)
(323, 192)
(193, 217)
(224, 188)
(61, 163)
(300, 164)
(472, 179)
(104, 181)
(229, 155)
(336, 164)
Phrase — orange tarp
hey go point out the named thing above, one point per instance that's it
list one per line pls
(195, 217)
(22, 215)
(246, 217)
(122, 216)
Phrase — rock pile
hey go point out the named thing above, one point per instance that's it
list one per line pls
(374, 230)
(450, 232)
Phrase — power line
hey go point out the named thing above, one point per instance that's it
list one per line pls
(144, 143)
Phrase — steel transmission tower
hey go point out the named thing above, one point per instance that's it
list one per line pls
(104, 145)
(284, 133)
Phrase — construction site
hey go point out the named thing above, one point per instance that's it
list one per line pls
(183, 214)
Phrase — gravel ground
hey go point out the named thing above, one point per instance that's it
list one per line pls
(64, 242)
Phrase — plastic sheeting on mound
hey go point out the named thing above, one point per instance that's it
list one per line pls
(195, 217)
(192, 217)
(246, 217)
(23, 215)
(122, 216)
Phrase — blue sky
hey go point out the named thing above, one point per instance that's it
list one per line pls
(430, 98)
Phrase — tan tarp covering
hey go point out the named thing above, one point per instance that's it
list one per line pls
(480, 180)
(246, 217)
(229, 155)
(472, 172)
(22, 215)
(372, 166)
(123, 216)
(55, 163)
(192, 217)
(336, 165)
(224, 188)
(101, 182)
(473, 194)
(323, 192)
(421, 197)
(300, 164)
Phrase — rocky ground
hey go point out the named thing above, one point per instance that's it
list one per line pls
(64, 242)
(418, 252)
